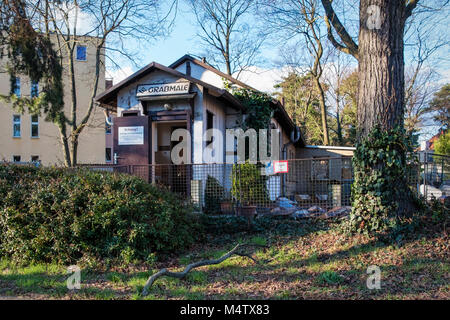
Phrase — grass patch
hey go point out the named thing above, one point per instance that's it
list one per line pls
(329, 278)
(314, 265)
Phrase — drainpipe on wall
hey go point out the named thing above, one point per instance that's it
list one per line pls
(295, 136)
(107, 118)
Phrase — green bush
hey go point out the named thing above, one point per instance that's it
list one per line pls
(214, 194)
(248, 185)
(63, 216)
(442, 145)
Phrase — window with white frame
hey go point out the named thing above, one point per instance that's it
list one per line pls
(16, 126)
(34, 126)
(209, 123)
(81, 53)
(35, 159)
(16, 158)
(34, 89)
(16, 89)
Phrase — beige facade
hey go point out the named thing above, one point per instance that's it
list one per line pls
(46, 146)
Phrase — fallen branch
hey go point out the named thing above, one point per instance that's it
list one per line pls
(182, 274)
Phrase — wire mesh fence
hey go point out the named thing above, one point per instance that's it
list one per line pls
(318, 184)
(434, 175)
(323, 183)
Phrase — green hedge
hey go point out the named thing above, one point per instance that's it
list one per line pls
(66, 216)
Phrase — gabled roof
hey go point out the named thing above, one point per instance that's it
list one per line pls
(280, 115)
(209, 67)
(108, 97)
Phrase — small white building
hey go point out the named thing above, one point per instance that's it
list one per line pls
(189, 94)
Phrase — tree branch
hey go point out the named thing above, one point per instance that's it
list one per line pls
(183, 274)
(333, 40)
(409, 8)
(351, 46)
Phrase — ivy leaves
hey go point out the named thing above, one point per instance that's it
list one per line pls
(258, 108)
(381, 167)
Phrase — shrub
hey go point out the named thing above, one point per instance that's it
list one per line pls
(442, 145)
(214, 194)
(248, 185)
(61, 215)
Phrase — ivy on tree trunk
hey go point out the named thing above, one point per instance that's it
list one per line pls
(380, 189)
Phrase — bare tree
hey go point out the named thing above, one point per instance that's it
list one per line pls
(381, 95)
(339, 67)
(228, 40)
(105, 25)
(420, 86)
(423, 45)
(302, 18)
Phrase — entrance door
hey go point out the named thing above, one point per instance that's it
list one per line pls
(179, 173)
(131, 142)
(174, 177)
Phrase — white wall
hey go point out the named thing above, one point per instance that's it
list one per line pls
(198, 72)
(126, 98)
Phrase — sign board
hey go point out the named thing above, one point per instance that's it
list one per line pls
(130, 136)
(280, 166)
(162, 89)
(268, 169)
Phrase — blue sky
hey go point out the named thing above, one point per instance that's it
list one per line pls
(183, 40)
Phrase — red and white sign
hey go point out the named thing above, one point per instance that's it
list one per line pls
(280, 166)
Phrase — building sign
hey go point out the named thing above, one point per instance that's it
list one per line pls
(280, 166)
(131, 136)
(147, 90)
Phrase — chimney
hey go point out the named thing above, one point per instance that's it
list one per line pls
(188, 68)
(108, 83)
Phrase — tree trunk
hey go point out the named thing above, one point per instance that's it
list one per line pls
(73, 93)
(339, 127)
(380, 189)
(78, 129)
(381, 66)
(381, 94)
(65, 145)
(323, 112)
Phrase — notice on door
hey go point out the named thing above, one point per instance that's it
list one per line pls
(131, 136)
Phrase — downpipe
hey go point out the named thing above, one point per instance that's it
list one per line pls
(295, 137)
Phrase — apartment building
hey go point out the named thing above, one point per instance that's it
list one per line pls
(25, 137)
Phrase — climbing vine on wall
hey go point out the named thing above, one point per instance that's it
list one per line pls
(258, 107)
(381, 167)
(248, 185)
